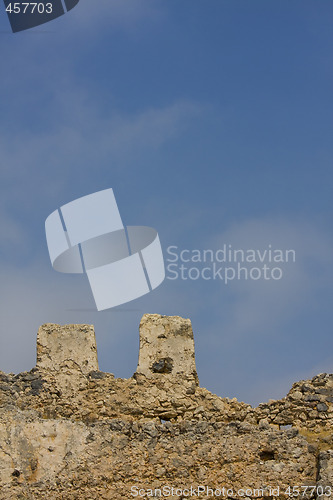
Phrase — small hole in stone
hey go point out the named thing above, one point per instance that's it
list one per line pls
(163, 365)
(267, 455)
(16, 473)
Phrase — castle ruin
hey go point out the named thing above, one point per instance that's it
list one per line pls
(69, 431)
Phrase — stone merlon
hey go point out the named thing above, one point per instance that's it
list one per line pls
(166, 347)
(59, 345)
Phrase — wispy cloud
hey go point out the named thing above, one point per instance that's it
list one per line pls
(83, 140)
(118, 14)
(265, 305)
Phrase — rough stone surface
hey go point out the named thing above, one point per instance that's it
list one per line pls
(166, 347)
(69, 431)
(325, 472)
(57, 345)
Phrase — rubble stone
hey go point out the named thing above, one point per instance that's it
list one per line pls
(69, 431)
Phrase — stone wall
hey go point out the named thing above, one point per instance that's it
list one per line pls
(69, 431)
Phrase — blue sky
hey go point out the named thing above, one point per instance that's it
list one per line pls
(212, 122)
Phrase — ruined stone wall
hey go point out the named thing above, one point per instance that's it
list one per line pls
(69, 431)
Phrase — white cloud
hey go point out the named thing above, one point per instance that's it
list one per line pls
(84, 141)
(264, 306)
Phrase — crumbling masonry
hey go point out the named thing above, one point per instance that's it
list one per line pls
(69, 431)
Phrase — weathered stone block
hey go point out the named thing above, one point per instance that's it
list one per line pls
(59, 345)
(166, 347)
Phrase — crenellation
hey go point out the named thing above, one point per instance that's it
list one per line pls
(69, 431)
